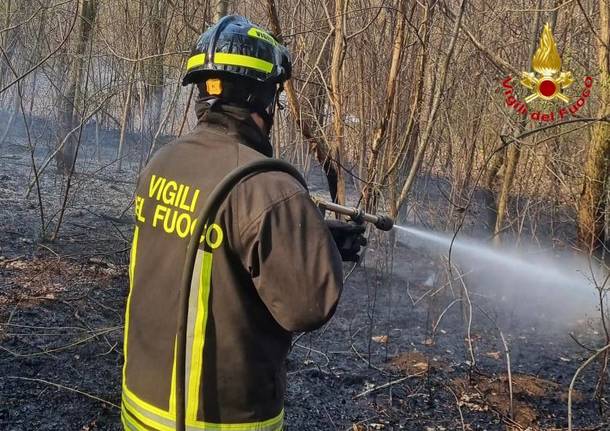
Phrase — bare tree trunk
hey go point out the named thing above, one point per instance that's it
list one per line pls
(98, 147)
(154, 70)
(513, 152)
(11, 120)
(70, 101)
(380, 131)
(316, 145)
(606, 252)
(5, 72)
(425, 137)
(221, 9)
(489, 182)
(336, 69)
(125, 115)
(592, 204)
(8, 40)
(405, 152)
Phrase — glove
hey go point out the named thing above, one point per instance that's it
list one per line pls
(348, 237)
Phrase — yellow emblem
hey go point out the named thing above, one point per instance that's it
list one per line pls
(213, 87)
(548, 83)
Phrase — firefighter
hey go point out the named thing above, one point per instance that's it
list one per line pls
(271, 265)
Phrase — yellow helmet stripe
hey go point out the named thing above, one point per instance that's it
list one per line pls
(195, 60)
(243, 61)
(232, 60)
(260, 34)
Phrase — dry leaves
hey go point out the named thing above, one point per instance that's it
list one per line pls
(47, 278)
(381, 339)
(411, 363)
(483, 394)
(494, 355)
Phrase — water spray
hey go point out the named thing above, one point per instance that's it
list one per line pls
(558, 285)
(207, 215)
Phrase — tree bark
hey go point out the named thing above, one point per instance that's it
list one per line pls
(5, 72)
(316, 145)
(403, 155)
(9, 124)
(125, 116)
(70, 102)
(380, 131)
(592, 205)
(221, 9)
(425, 137)
(154, 70)
(336, 69)
(513, 152)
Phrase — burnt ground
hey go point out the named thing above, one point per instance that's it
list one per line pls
(383, 362)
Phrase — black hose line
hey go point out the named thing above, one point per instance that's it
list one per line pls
(208, 213)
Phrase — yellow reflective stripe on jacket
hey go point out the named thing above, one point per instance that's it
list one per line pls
(137, 414)
(243, 61)
(132, 268)
(140, 418)
(126, 392)
(196, 362)
(129, 423)
(135, 419)
(142, 405)
(195, 60)
(172, 392)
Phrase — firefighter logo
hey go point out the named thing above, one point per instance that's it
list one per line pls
(548, 82)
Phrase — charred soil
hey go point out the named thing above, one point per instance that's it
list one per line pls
(397, 354)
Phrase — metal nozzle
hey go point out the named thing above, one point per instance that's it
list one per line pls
(382, 222)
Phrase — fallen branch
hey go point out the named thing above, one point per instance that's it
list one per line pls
(460, 278)
(364, 359)
(387, 385)
(440, 317)
(57, 385)
(509, 374)
(508, 362)
(582, 367)
(311, 349)
(59, 349)
(457, 403)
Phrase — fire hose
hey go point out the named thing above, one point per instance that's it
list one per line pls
(208, 213)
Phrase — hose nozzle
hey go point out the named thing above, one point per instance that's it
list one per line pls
(384, 222)
(357, 215)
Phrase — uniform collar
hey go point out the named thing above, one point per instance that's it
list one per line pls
(236, 120)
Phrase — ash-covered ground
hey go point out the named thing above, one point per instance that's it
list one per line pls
(408, 348)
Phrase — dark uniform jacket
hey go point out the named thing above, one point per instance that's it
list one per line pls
(271, 268)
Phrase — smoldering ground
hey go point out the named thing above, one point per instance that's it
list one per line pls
(374, 366)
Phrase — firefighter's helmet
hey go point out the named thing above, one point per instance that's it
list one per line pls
(239, 62)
